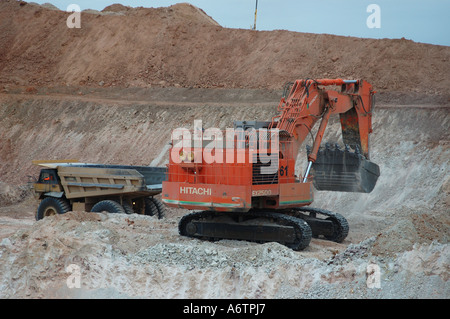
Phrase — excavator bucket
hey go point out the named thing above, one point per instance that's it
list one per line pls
(343, 171)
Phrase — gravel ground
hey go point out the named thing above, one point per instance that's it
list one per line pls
(133, 256)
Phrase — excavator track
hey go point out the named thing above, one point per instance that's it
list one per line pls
(333, 227)
(255, 226)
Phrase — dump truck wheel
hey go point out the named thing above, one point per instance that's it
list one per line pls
(128, 208)
(52, 206)
(160, 206)
(150, 207)
(154, 207)
(109, 206)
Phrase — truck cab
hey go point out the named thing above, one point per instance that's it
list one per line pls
(48, 182)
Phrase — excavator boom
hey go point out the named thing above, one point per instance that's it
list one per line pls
(333, 169)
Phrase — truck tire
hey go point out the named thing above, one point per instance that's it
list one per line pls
(154, 207)
(128, 208)
(150, 207)
(109, 206)
(52, 206)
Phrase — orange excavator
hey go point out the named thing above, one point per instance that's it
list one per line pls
(242, 185)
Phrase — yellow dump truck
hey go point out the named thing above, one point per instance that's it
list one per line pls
(67, 186)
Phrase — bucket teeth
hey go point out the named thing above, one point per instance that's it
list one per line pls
(343, 170)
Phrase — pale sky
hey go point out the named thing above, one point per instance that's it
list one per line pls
(425, 21)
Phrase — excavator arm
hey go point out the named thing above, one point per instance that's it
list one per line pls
(308, 102)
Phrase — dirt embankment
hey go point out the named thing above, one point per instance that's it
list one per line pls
(182, 46)
(112, 92)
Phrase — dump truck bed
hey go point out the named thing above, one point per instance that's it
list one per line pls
(90, 180)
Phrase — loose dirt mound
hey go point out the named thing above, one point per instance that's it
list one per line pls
(10, 194)
(181, 45)
(116, 8)
(129, 256)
